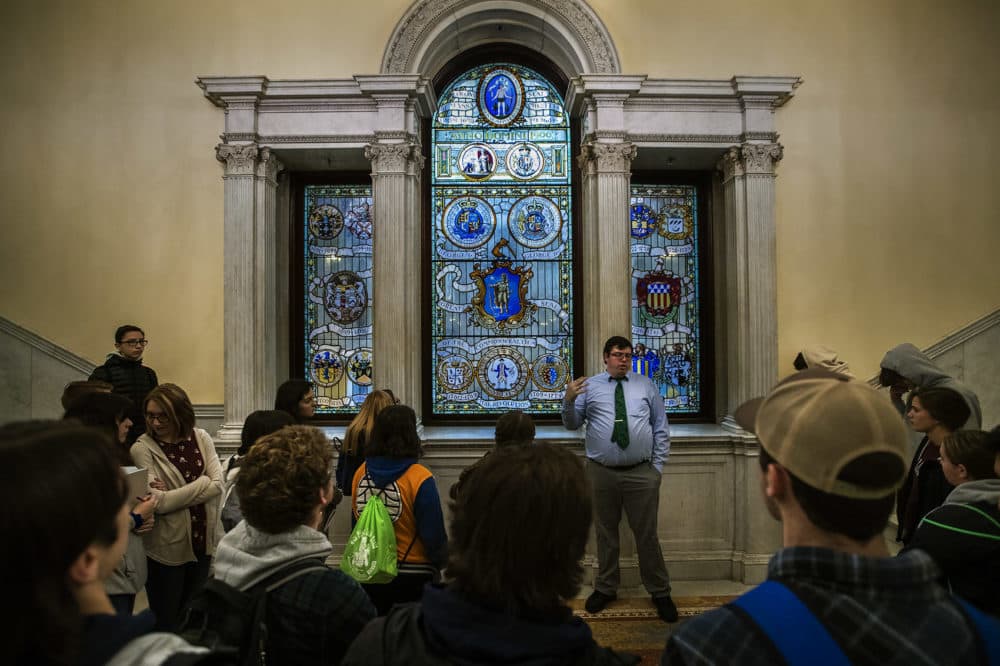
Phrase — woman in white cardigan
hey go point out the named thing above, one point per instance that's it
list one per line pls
(185, 472)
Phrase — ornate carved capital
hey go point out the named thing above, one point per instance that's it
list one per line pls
(240, 159)
(392, 157)
(586, 157)
(268, 166)
(614, 157)
(760, 157)
(731, 164)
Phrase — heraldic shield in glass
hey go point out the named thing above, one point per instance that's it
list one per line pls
(666, 329)
(501, 269)
(338, 295)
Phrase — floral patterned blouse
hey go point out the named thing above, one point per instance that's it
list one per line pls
(186, 457)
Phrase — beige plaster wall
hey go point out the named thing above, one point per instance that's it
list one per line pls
(887, 209)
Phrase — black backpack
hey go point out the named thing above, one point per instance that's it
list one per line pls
(233, 623)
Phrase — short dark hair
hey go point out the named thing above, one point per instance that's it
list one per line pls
(394, 434)
(75, 389)
(993, 440)
(515, 428)
(260, 423)
(121, 331)
(288, 397)
(800, 362)
(280, 478)
(616, 342)
(176, 406)
(945, 405)
(63, 492)
(970, 448)
(103, 411)
(519, 531)
(857, 519)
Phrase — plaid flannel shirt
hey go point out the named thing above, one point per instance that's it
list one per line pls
(880, 611)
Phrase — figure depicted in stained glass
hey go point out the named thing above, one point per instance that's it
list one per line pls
(502, 289)
(477, 161)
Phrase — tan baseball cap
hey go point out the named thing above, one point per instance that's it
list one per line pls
(815, 422)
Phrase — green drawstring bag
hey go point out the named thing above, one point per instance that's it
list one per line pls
(370, 553)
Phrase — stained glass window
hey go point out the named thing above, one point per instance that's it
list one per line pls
(501, 243)
(338, 295)
(666, 327)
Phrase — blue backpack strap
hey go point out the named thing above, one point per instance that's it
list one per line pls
(988, 628)
(791, 626)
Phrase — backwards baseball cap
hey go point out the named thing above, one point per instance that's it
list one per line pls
(814, 423)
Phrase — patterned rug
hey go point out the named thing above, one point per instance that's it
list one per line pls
(631, 625)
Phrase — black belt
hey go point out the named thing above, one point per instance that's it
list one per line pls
(622, 468)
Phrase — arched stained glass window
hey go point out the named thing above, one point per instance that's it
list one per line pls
(666, 325)
(337, 313)
(501, 243)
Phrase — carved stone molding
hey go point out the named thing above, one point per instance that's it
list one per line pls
(586, 157)
(391, 157)
(614, 157)
(761, 157)
(239, 159)
(421, 21)
(731, 165)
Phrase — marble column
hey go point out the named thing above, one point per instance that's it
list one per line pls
(250, 183)
(397, 319)
(605, 270)
(751, 282)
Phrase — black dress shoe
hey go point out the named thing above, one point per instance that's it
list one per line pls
(598, 601)
(665, 608)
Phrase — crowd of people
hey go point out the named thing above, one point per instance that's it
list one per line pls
(495, 588)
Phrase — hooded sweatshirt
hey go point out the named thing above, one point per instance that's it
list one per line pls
(447, 628)
(311, 618)
(963, 537)
(820, 356)
(912, 364)
(411, 497)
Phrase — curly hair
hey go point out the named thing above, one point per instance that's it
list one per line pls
(360, 429)
(280, 478)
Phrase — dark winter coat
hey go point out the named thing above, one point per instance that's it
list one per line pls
(928, 480)
(134, 381)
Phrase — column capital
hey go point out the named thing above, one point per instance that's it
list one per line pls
(761, 158)
(392, 157)
(268, 165)
(613, 157)
(730, 164)
(239, 159)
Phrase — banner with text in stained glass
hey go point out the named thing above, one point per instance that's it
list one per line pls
(338, 295)
(666, 327)
(501, 243)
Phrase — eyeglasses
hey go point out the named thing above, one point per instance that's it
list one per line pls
(135, 343)
(625, 356)
(157, 418)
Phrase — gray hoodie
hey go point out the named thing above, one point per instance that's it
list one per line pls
(247, 555)
(973, 492)
(916, 366)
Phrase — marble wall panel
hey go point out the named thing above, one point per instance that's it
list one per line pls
(15, 379)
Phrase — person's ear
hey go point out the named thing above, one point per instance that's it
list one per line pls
(963, 471)
(326, 494)
(777, 483)
(86, 567)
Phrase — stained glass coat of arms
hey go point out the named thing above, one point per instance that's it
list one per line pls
(501, 268)
(666, 327)
(338, 295)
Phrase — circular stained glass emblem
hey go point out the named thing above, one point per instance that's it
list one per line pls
(359, 367)
(455, 373)
(676, 223)
(326, 222)
(503, 372)
(501, 96)
(534, 221)
(326, 366)
(642, 219)
(345, 297)
(468, 222)
(525, 161)
(477, 161)
(549, 372)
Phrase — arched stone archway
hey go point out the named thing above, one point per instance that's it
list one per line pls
(568, 32)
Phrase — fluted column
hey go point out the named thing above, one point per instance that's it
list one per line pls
(751, 289)
(605, 246)
(396, 330)
(249, 282)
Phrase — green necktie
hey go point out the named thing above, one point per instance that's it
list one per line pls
(620, 434)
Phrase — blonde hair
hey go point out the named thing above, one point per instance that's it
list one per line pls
(176, 406)
(360, 429)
